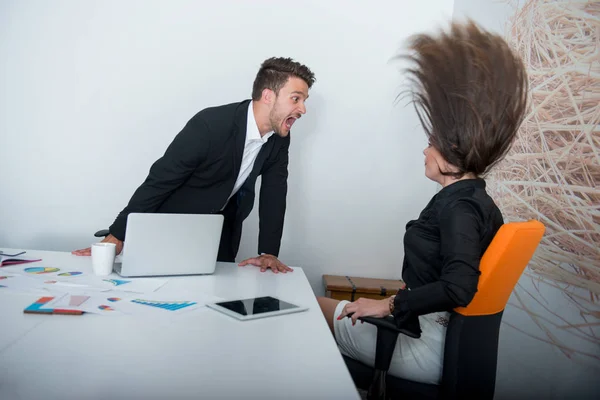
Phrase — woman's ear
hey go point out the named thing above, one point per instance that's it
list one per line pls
(441, 162)
(444, 165)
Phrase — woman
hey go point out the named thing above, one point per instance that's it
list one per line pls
(471, 96)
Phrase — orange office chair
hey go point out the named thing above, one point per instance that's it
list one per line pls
(471, 346)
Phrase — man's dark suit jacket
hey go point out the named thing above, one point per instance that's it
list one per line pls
(197, 173)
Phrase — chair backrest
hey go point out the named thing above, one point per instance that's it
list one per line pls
(471, 346)
(502, 265)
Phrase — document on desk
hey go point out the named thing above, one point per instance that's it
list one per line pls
(11, 259)
(123, 305)
(165, 304)
(90, 303)
(53, 285)
(19, 283)
(135, 285)
(43, 271)
(57, 279)
(108, 283)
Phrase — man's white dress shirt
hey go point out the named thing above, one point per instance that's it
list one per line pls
(254, 142)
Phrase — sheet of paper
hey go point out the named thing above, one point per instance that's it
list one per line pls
(77, 300)
(16, 259)
(127, 305)
(134, 285)
(91, 303)
(112, 283)
(42, 271)
(58, 279)
(19, 283)
(54, 286)
(101, 304)
(168, 303)
(144, 306)
(59, 301)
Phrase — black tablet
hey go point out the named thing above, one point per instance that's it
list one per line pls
(255, 307)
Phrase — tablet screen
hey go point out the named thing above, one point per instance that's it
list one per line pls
(256, 305)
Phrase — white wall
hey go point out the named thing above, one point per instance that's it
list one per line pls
(93, 92)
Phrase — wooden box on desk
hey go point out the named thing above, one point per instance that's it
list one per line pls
(351, 288)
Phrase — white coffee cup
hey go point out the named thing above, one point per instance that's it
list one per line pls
(103, 257)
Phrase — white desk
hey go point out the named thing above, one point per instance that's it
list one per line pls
(198, 355)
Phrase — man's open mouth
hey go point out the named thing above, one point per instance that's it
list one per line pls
(289, 122)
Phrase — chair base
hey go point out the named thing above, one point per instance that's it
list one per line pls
(397, 388)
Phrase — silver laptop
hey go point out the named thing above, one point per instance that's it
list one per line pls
(170, 244)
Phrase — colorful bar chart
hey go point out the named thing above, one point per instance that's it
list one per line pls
(166, 305)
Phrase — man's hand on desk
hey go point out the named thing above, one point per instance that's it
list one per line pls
(265, 262)
(108, 239)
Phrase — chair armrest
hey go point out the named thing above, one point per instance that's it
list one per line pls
(387, 336)
(101, 233)
(386, 323)
(389, 324)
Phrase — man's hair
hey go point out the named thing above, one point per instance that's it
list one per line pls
(470, 95)
(274, 73)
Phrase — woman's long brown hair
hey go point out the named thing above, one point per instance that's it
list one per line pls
(470, 92)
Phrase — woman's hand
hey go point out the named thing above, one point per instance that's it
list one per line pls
(366, 308)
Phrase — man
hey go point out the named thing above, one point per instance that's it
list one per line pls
(212, 164)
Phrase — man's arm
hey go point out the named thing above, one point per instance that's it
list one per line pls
(272, 202)
(187, 151)
(271, 213)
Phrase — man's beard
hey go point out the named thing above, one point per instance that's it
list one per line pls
(275, 120)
